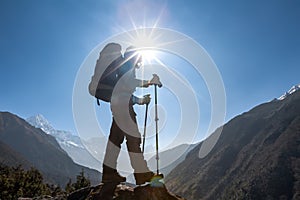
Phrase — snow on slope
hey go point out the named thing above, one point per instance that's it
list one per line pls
(291, 91)
(63, 137)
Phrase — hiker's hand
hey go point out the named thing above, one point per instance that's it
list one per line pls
(146, 99)
(155, 81)
(141, 101)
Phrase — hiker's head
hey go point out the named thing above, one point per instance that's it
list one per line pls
(131, 54)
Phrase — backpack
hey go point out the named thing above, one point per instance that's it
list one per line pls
(108, 65)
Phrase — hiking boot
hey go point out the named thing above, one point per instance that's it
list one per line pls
(113, 177)
(141, 178)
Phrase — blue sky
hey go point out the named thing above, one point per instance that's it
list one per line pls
(255, 44)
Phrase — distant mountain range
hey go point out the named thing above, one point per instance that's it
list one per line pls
(76, 148)
(23, 144)
(72, 144)
(256, 157)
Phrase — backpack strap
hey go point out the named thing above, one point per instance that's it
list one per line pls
(98, 102)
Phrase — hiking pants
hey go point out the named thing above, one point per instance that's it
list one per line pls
(133, 143)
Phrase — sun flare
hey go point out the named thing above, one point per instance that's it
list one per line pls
(148, 56)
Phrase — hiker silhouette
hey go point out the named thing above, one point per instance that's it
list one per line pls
(124, 124)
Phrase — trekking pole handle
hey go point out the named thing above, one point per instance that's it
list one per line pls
(147, 96)
(156, 80)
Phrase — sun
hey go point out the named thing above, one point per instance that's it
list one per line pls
(148, 56)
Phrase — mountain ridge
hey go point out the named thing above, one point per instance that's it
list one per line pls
(72, 144)
(40, 150)
(289, 92)
(256, 157)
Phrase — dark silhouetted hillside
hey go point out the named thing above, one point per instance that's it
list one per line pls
(27, 145)
(256, 157)
(170, 158)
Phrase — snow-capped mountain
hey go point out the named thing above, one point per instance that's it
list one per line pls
(64, 138)
(291, 91)
(72, 144)
(39, 121)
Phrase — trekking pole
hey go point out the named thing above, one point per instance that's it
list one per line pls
(145, 125)
(156, 128)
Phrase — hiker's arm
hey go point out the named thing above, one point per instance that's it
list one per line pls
(141, 101)
(154, 81)
(142, 83)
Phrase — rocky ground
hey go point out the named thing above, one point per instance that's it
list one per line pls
(120, 192)
(125, 192)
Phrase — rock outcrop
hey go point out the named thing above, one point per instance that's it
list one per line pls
(125, 192)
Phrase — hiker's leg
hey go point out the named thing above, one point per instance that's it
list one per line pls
(137, 160)
(116, 138)
(142, 173)
(133, 142)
